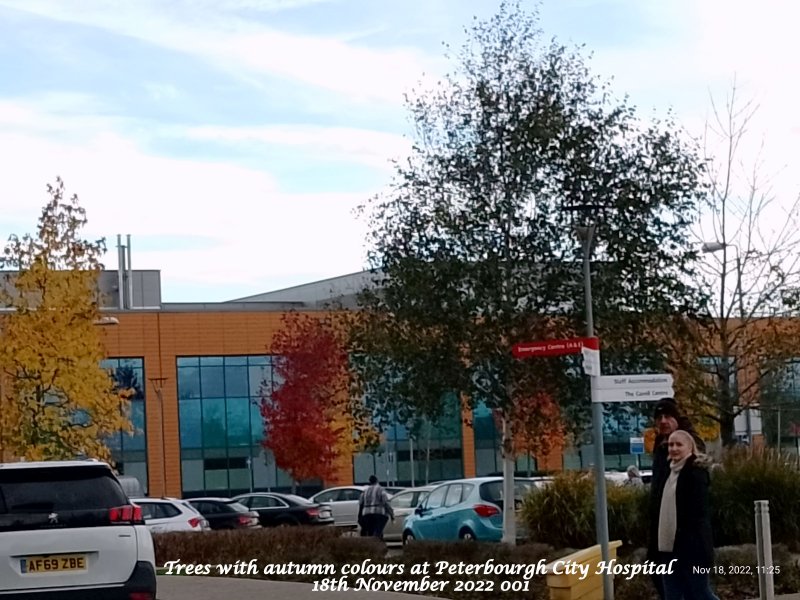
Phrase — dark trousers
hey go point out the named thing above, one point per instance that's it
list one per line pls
(372, 525)
(682, 583)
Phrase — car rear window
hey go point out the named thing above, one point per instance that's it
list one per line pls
(493, 490)
(80, 496)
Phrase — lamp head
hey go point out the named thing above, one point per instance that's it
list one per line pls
(712, 247)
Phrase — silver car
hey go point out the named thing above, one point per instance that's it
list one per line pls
(403, 503)
(343, 502)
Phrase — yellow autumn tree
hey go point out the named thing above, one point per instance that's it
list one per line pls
(56, 401)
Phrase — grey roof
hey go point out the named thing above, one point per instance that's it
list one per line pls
(340, 291)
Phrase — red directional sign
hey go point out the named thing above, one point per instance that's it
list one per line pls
(554, 347)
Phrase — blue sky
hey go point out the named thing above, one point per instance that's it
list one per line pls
(233, 138)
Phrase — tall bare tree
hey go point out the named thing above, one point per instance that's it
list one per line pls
(751, 235)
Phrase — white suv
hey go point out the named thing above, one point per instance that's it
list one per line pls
(170, 514)
(69, 532)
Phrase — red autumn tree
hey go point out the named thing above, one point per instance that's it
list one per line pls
(296, 425)
(536, 424)
(310, 420)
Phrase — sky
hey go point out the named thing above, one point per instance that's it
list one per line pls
(233, 139)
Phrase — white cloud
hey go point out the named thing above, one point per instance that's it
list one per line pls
(213, 32)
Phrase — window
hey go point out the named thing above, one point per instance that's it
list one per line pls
(266, 502)
(436, 499)
(404, 500)
(327, 496)
(453, 495)
(349, 494)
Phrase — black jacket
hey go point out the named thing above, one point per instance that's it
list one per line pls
(694, 544)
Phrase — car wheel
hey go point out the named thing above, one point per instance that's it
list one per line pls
(466, 535)
(408, 538)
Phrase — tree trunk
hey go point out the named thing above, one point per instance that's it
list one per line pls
(509, 514)
(727, 427)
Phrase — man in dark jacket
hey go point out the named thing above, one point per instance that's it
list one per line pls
(668, 418)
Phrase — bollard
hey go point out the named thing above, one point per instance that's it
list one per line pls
(766, 585)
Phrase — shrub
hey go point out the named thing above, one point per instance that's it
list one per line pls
(563, 513)
(745, 476)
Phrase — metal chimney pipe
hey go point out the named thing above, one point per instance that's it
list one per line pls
(120, 270)
(130, 275)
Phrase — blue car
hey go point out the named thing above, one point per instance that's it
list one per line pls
(464, 509)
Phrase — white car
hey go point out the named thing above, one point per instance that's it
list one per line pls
(170, 514)
(343, 502)
(67, 530)
(403, 503)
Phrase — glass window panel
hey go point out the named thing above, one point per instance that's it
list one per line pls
(256, 423)
(240, 479)
(131, 363)
(236, 381)
(188, 361)
(191, 431)
(284, 480)
(238, 424)
(212, 382)
(217, 479)
(137, 441)
(211, 361)
(257, 376)
(137, 469)
(188, 382)
(257, 360)
(214, 422)
(114, 443)
(235, 361)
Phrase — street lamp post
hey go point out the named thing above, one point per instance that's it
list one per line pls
(586, 235)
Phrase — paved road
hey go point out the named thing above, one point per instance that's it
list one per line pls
(231, 588)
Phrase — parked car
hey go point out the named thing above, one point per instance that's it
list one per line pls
(394, 490)
(286, 509)
(67, 530)
(170, 514)
(466, 509)
(403, 503)
(343, 502)
(224, 513)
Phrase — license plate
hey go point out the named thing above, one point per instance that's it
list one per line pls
(53, 564)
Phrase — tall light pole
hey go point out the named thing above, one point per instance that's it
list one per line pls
(727, 400)
(586, 235)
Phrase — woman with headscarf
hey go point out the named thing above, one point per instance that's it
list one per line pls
(683, 529)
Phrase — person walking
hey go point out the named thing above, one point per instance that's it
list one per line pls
(374, 510)
(683, 530)
(668, 419)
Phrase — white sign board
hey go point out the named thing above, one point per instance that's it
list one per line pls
(633, 394)
(626, 382)
(591, 361)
